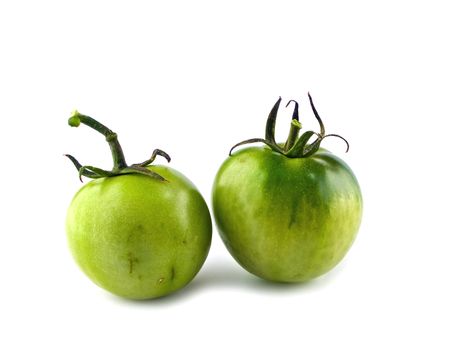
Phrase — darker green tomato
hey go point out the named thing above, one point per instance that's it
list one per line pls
(286, 219)
(284, 216)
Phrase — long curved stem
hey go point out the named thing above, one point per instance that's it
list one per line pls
(120, 166)
(117, 153)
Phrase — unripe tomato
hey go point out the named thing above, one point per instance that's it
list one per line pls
(138, 235)
(283, 214)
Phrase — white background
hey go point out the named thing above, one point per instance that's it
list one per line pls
(195, 77)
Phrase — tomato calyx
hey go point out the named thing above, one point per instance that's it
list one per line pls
(120, 166)
(296, 146)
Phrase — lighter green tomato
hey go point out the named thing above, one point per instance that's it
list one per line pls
(138, 237)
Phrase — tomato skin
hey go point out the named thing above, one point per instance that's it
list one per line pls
(286, 219)
(138, 237)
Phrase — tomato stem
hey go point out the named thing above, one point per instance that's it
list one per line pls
(118, 157)
(120, 166)
(294, 131)
(295, 127)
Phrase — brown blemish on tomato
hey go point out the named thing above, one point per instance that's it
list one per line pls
(131, 262)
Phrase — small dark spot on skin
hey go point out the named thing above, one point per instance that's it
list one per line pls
(131, 262)
(140, 277)
(172, 276)
(184, 241)
(138, 230)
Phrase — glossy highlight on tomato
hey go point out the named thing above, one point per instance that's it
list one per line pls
(138, 231)
(287, 216)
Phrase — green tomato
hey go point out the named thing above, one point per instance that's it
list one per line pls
(284, 218)
(138, 237)
(137, 231)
